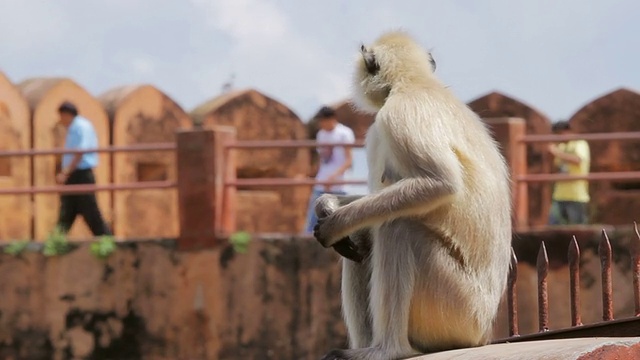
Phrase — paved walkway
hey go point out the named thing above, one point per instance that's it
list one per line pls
(565, 349)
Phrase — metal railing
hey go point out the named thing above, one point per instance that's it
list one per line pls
(616, 136)
(108, 149)
(608, 327)
(80, 189)
(523, 179)
(285, 144)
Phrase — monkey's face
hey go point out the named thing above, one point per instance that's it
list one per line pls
(393, 59)
(371, 87)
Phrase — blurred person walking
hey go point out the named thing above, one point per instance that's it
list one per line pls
(77, 168)
(570, 199)
(334, 161)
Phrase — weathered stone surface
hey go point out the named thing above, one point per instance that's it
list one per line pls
(256, 116)
(566, 349)
(15, 134)
(280, 300)
(253, 210)
(141, 114)
(496, 104)
(617, 111)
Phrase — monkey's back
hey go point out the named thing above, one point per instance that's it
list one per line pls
(478, 222)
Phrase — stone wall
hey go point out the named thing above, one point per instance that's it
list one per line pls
(612, 202)
(279, 300)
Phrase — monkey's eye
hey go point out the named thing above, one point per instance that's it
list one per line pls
(372, 67)
(370, 62)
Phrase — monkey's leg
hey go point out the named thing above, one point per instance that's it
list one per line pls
(355, 293)
(392, 284)
(394, 272)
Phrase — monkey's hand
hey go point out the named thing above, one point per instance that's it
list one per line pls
(326, 205)
(326, 229)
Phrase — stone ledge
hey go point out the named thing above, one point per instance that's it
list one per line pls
(565, 349)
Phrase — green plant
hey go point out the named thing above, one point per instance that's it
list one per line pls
(240, 241)
(56, 243)
(104, 247)
(16, 248)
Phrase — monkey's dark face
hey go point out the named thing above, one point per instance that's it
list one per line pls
(373, 67)
(370, 62)
(372, 87)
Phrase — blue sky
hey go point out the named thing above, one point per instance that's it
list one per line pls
(554, 55)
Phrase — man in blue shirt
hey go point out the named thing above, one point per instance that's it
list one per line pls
(77, 168)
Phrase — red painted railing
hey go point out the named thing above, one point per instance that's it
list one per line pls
(79, 189)
(209, 184)
(522, 178)
(283, 144)
(608, 327)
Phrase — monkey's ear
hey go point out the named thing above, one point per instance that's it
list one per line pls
(433, 63)
(369, 60)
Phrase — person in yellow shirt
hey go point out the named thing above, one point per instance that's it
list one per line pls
(570, 198)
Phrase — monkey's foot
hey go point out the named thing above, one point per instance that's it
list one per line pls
(367, 354)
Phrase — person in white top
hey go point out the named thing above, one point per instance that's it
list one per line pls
(334, 161)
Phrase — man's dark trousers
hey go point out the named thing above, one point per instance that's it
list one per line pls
(86, 205)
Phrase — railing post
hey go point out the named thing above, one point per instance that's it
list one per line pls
(225, 173)
(508, 132)
(196, 182)
(521, 196)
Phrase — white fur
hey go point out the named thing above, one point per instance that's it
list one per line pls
(438, 216)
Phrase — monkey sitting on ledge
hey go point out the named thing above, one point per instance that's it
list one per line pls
(430, 244)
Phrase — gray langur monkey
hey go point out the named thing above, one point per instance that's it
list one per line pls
(433, 236)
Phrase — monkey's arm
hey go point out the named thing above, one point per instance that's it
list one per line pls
(326, 204)
(433, 176)
(407, 197)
